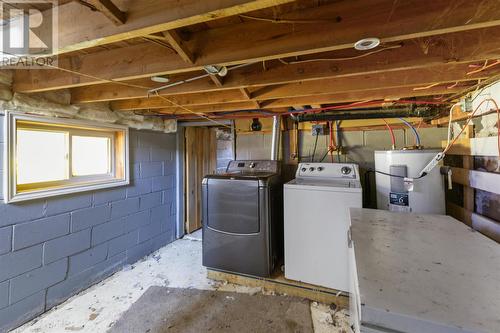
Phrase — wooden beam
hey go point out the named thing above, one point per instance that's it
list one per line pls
(379, 93)
(229, 96)
(109, 9)
(217, 80)
(423, 77)
(215, 97)
(143, 19)
(419, 52)
(246, 93)
(179, 46)
(459, 213)
(252, 41)
(209, 108)
(253, 77)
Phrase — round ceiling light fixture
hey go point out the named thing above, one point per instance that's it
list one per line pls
(216, 70)
(160, 78)
(367, 44)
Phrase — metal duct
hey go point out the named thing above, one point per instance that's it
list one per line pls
(421, 112)
(276, 138)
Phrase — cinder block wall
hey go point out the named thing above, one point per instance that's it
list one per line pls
(51, 249)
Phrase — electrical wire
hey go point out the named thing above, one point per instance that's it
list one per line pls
(339, 144)
(315, 145)
(448, 146)
(391, 132)
(395, 176)
(427, 87)
(417, 137)
(484, 67)
(333, 143)
(199, 114)
(341, 59)
(265, 19)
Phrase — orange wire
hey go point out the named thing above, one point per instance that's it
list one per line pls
(393, 138)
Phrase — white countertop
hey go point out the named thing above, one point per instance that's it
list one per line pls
(425, 273)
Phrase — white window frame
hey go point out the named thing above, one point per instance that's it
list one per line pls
(119, 174)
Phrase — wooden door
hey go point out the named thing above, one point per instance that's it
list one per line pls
(201, 159)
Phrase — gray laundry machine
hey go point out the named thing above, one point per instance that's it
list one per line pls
(243, 218)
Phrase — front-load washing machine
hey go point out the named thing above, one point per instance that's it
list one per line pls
(243, 218)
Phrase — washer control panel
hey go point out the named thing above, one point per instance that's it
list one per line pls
(253, 166)
(328, 170)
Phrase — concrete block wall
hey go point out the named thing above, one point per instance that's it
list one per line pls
(52, 249)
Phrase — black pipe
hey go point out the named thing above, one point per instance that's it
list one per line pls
(401, 112)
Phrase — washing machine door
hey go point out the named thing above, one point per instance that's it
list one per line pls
(233, 206)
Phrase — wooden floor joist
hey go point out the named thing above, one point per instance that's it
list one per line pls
(155, 16)
(296, 53)
(149, 59)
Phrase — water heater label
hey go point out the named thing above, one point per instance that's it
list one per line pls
(399, 199)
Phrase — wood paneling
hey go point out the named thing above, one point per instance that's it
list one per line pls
(201, 159)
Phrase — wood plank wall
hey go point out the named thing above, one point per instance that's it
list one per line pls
(475, 198)
(201, 159)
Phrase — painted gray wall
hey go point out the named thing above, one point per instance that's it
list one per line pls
(360, 145)
(51, 249)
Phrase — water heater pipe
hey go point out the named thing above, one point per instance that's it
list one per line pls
(276, 138)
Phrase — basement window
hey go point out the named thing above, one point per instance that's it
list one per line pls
(48, 157)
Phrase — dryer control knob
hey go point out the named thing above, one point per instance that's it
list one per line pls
(321, 168)
(345, 170)
(303, 169)
(311, 169)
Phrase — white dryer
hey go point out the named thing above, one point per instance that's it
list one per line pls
(316, 223)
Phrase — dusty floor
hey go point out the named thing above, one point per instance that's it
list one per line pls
(175, 310)
(177, 265)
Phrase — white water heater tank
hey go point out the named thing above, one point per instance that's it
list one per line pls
(427, 195)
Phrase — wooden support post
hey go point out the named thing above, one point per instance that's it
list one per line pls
(468, 163)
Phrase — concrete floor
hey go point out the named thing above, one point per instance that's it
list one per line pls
(177, 265)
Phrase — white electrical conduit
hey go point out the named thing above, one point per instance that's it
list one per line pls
(173, 84)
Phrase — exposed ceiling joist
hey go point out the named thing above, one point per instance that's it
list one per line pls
(215, 97)
(217, 80)
(424, 76)
(144, 18)
(179, 46)
(246, 93)
(354, 96)
(231, 100)
(252, 41)
(110, 10)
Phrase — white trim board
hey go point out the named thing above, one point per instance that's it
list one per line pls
(487, 146)
(485, 181)
(486, 226)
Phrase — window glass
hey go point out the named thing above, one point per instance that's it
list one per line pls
(90, 155)
(42, 156)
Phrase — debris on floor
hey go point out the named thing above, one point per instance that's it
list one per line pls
(177, 265)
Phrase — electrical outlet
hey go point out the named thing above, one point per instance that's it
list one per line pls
(319, 129)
